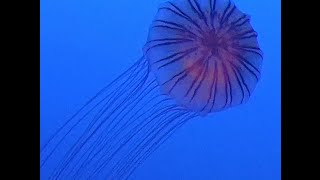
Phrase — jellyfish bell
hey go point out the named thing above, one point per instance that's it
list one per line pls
(201, 56)
(204, 54)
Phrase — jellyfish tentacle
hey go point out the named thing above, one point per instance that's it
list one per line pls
(136, 69)
(149, 130)
(112, 134)
(140, 97)
(99, 126)
(88, 160)
(159, 143)
(83, 108)
(118, 92)
(70, 155)
(98, 142)
(87, 103)
(99, 165)
(176, 122)
(129, 137)
(152, 133)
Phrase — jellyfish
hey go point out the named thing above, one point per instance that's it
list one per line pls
(200, 57)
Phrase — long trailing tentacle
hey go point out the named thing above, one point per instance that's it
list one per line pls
(118, 99)
(81, 114)
(120, 125)
(93, 109)
(154, 142)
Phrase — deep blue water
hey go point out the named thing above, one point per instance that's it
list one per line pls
(86, 44)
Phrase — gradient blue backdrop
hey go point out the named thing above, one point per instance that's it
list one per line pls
(87, 43)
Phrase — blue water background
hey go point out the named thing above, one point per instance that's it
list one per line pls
(87, 43)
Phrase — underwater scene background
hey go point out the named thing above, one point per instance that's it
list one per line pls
(86, 44)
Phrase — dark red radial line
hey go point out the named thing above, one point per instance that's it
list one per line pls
(201, 81)
(177, 59)
(229, 14)
(212, 12)
(194, 9)
(238, 81)
(241, 60)
(244, 33)
(167, 43)
(184, 15)
(198, 11)
(236, 68)
(238, 25)
(228, 81)
(182, 72)
(201, 12)
(249, 49)
(197, 77)
(168, 39)
(224, 13)
(212, 82)
(178, 26)
(232, 24)
(245, 37)
(175, 54)
(198, 28)
(215, 86)
(225, 85)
